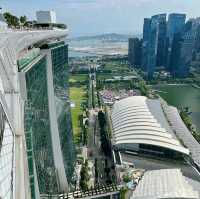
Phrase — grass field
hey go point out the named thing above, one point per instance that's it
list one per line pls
(78, 78)
(77, 96)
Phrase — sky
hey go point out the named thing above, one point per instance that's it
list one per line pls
(91, 17)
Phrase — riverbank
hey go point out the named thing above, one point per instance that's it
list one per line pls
(196, 86)
(180, 96)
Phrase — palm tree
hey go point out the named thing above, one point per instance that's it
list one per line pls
(11, 19)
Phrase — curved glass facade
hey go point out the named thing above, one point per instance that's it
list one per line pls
(37, 129)
(38, 120)
(59, 56)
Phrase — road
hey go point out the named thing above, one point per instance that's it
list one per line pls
(153, 164)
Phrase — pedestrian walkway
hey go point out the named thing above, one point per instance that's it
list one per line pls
(98, 191)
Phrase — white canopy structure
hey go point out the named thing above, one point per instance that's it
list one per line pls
(165, 183)
(183, 132)
(138, 120)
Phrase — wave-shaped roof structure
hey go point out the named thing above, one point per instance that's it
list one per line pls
(139, 120)
(164, 183)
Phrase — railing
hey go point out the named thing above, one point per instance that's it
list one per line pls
(96, 191)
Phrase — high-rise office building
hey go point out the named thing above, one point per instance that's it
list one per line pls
(46, 17)
(157, 35)
(175, 24)
(146, 29)
(175, 54)
(197, 41)
(146, 42)
(189, 48)
(161, 47)
(135, 52)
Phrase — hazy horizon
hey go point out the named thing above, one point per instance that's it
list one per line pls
(94, 17)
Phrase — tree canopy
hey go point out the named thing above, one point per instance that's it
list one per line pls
(23, 19)
(14, 21)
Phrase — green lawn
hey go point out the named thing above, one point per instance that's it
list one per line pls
(116, 65)
(77, 96)
(78, 78)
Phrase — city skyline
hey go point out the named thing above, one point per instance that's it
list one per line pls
(99, 117)
(87, 17)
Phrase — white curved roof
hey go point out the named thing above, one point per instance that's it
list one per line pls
(164, 183)
(138, 120)
(183, 132)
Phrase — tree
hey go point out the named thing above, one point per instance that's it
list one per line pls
(102, 120)
(84, 176)
(23, 19)
(105, 143)
(11, 19)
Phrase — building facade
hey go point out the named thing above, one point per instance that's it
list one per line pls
(146, 42)
(48, 127)
(157, 33)
(175, 28)
(140, 125)
(175, 54)
(27, 144)
(161, 43)
(46, 17)
(175, 24)
(159, 49)
(135, 52)
(6, 156)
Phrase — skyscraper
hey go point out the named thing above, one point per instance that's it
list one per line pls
(146, 42)
(175, 54)
(157, 35)
(36, 143)
(48, 120)
(45, 17)
(175, 24)
(161, 42)
(146, 29)
(135, 52)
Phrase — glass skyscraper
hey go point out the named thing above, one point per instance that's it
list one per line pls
(159, 49)
(135, 52)
(175, 24)
(157, 35)
(59, 56)
(175, 28)
(48, 128)
(146, 42)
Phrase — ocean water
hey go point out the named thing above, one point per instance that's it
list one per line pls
(94, 47)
